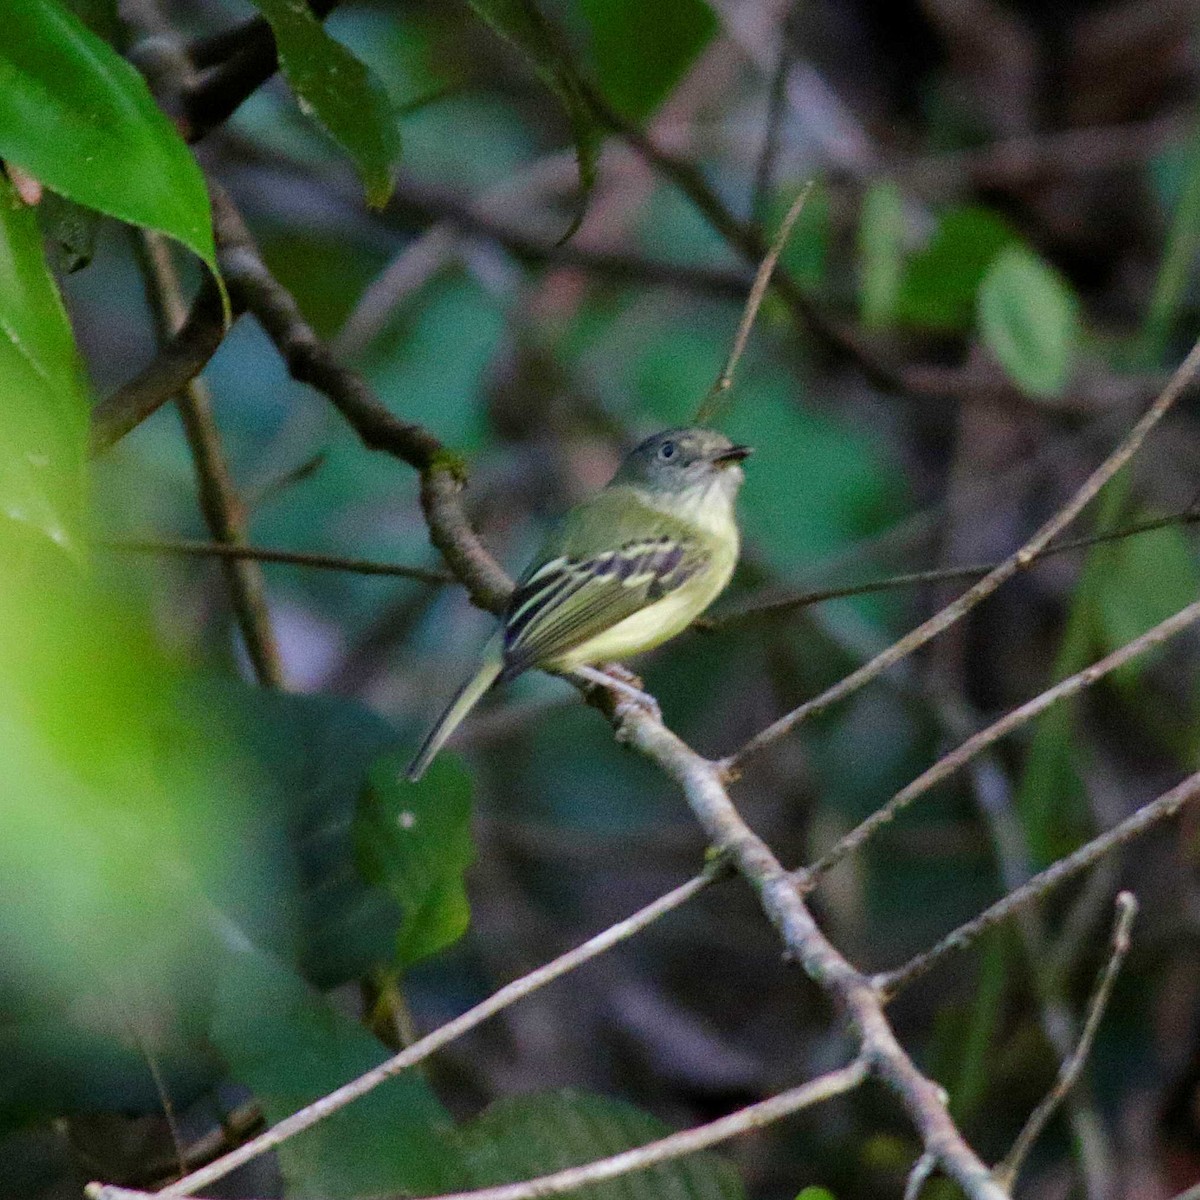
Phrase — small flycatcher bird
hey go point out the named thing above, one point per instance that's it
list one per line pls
(622, 572)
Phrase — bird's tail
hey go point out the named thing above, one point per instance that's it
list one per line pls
(465, 699)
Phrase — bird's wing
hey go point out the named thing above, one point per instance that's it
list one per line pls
(563, 602)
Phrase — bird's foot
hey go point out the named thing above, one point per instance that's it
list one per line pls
(625, 684)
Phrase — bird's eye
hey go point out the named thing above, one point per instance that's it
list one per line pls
(666, 450)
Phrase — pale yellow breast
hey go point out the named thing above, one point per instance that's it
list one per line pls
(657, 622)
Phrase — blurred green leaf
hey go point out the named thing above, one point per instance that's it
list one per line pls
(521, 23)
(525, 1136)
(305, 761)
(881, 235)
(43, 406)
(939, 284)
(414, 839)
(1029, 320)
(815, 1193)
(79, 118)
(642, 50)
(1146, 579)
(290, 1047)
(339, 93)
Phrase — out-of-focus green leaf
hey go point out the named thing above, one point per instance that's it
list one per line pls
(526, 1136)
(939, 284)
(305, 760)
(339, 92)
(1147, 578)
(815, 1193)
(43, 408)
(1029, 320)
(289, 1047)
(642, 50)
(881, 235)
(414, 839)
(522, 24)
(79, 118)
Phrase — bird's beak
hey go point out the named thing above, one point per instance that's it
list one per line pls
(734, 454)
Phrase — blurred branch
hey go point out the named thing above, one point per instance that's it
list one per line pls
(1070, 1070)
(321, 562)
(857, 999)
(177, 363)
(222, 508)
(781, 604)
(974, 745)
(1000, 574)
(311, 1114)
(1146, 818)
(764, 167)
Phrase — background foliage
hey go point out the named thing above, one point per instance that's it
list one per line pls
(219, 899)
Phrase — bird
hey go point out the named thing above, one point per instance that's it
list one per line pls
(623, 571)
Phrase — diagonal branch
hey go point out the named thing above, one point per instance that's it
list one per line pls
(221, 506)
(673, 1146)
(326, 1106)
(177, 363)
(978, 742)
(1018, 560)
(1146, 818)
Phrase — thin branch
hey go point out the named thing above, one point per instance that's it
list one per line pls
(1070, 1070)
(675, 1145)
(1017, 561)
(978, 742)
(1145, 819)
(173, 368)
(220, 504)
(781, 604)
(856, 998)
(336, 1100)
(762, 279)
(321, 562)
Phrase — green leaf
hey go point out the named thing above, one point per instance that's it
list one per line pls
(525, 1136)
(1029, 320)
(815, 1193)
(520, 22)
(339, 92)
(290, 1047)
(310, 757)
(1146, 579)
(43, 405)
(642, 50)
(414, 839)
(79, 118)
(939, 284)
(881, 252)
